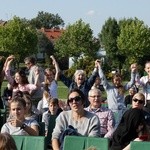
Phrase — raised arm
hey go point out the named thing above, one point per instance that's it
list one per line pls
(92, 78)
(133, 69)
(7, 68)
(102, 76)
(55, 63)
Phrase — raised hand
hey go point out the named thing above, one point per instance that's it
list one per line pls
(134, 67)
(53, 60)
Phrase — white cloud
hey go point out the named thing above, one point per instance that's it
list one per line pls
(91, 13)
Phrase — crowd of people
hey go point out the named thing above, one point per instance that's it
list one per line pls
(33, 98)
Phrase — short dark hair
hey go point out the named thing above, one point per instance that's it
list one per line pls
(80, 94)
(30, 59)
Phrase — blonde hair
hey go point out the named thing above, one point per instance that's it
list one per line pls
(141, 95)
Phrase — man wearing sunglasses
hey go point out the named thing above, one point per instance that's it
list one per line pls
(105, 115)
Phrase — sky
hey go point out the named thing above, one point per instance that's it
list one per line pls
(93, 12)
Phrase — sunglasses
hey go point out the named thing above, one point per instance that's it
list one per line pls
(76, 99)
(138, 100)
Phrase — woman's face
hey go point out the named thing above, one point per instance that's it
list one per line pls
(80, 78)
(17, 78)
(28, 105)
(75, 102)
(138, 101)
(17, 110)
(49, 75)
(117, 81)
(131, 92)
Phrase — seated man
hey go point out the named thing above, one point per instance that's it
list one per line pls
(105, 115)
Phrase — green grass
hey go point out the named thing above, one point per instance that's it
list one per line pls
(62, 89)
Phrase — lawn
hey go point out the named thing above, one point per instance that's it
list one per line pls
(62, 90)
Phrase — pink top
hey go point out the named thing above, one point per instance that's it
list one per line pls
(23, 88)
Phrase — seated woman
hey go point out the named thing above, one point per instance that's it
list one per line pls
(16, 123)
(84, 122)
(20, 81)
(132, 122)
(31, 111)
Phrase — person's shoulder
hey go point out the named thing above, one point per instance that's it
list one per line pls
(65, 113)
(89, 114)
(30, 121)
(135, 112)
(46, 113)
(144, 77)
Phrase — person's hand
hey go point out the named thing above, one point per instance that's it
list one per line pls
(10, 58)
(97, 63)
(134, 67)
(53, 60)
(15, 122)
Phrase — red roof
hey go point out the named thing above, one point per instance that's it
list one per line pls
(52, 34)
(2, 23)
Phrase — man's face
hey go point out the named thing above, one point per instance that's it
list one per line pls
(28, 64)
(95, 99)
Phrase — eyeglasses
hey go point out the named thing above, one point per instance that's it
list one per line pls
(76, 99)
(138, 100)
(94, 96)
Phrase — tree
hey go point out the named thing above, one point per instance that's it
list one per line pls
(47, 20)
(108, 38)
(76, 41)
(17, 38)
(134, 40)
(45, 45)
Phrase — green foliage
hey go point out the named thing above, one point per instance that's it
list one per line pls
(45, 45)
(108, 37)
(77, 40)
(47, 20)
(17, 38)
(86, 64)
(134, 40)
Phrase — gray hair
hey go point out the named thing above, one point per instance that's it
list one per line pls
(79, 72)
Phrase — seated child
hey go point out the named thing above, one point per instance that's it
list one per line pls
(54, 109)
(43, 103)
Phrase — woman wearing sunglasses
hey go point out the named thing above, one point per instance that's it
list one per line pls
(134, 122)
(84, 122)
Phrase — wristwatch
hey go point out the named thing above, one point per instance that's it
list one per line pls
(23, 126)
